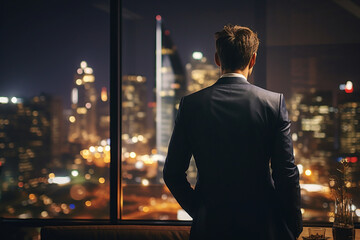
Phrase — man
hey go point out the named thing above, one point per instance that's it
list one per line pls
(236, 133)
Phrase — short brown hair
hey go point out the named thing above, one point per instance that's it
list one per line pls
(235, 46)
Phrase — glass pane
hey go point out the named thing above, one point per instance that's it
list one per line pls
(311, 52)
(167, 53)
(54, 109)
(312, 58)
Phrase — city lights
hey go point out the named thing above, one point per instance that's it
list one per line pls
(197, 55)
(14, 100)
(74, 96)
(78, 81)
(83, 64)
(308, 172)
(74, 173)
(4, 100)
(101, 180)
(145, 182)
(88, 203)
(349, 87)
(72, 119)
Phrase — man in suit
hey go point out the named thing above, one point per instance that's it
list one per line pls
(239, 134)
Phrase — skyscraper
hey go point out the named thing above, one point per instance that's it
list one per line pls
(83, 127)
(170, 87)
(30, 138)
(134, 130)
(313, 131)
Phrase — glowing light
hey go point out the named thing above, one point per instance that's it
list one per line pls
(103, 142)
(357, 212)
(75, 173)
(145, 182)
(308, 172)
(89, 78)
(44, 214)
(92, 149)
(107, 148)
(72, 206)
(100, 149)
(314, 188)
(88, 70)
(134, 139)
(140, 138)
(74, 96)
(158, 17)
(79, 71)
(104, 96)
(60, 180)
(87, 176)
(139, 164)
(302, 211)
(51, 175)
(83, 64)
(88, 203)
(133, 155)
(4, 100)
(14, 100)
(32, 196)
(145, 209)
(349, 87)
(300, 168)
(101, 180)
(197, 55)
(88, 105)
(78, 81)
(81, 110)
(353, 207)
(72, 119)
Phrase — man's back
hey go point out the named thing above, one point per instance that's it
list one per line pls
(235, 130)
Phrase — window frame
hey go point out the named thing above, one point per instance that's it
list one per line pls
(116, 188)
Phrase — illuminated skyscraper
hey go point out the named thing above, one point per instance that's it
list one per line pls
(200, 73)
(170, 87)
(134, 131)
(83, 127)
(349, 117)
(313, 131)
(30, 138)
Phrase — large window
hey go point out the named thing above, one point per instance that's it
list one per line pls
(54, 110)
(54, 99)
(307, 53)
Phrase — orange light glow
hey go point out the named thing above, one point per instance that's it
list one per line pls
(104, 96)
(88, 203)
(308, 172)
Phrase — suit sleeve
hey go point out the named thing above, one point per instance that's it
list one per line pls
(177, 163)
(285, 173)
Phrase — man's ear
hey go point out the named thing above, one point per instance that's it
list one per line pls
(252, 61)
(217, 59)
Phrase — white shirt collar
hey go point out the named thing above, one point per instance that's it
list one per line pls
(233, 75)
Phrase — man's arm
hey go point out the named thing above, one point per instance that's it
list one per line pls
(285, 173)
(176, 164)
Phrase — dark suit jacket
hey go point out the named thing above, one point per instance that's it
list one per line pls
(248, 184)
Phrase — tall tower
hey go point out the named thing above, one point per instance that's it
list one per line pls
(170, 87)
(83, 97)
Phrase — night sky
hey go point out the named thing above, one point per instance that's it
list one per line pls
(43, 42)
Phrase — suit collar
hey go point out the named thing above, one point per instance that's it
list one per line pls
(232, 80)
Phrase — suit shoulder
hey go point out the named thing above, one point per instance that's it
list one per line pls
(270, 97)
(197, 94)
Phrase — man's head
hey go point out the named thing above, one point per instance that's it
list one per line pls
(236, 48)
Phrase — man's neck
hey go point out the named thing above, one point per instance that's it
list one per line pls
(244, 72)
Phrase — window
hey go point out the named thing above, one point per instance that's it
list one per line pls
(54, 99)
(54, 110)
